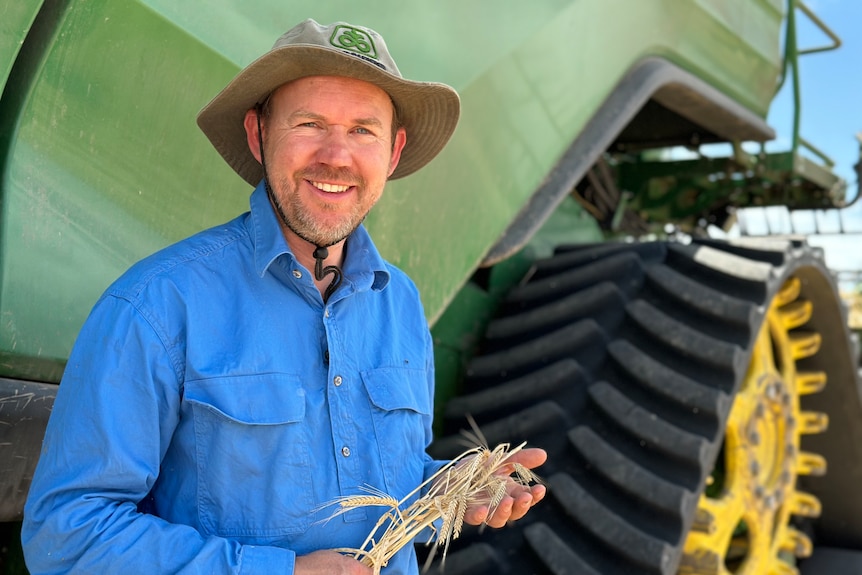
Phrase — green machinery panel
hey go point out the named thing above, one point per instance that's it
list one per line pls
(103, 163)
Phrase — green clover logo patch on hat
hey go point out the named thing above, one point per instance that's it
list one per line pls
(355, 40)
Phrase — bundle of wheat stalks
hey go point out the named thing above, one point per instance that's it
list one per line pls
(478, 476)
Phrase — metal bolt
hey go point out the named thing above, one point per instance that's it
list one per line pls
(754, 438)
(772, 390)
(754, 468)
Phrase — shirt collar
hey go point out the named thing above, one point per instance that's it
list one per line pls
(363, 265)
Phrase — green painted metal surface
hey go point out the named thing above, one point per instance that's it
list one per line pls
(15, 21)
(106, 164)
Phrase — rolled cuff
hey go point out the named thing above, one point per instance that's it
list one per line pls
(255, 559)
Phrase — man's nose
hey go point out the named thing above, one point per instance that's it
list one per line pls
(335, 149)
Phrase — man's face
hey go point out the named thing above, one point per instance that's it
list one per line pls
(329, 151)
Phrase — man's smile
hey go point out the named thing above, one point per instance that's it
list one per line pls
(330, 188)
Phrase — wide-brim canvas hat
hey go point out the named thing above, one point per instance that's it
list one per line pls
(427, 110)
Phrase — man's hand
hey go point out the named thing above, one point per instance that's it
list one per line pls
(519, 498)
(329, 563)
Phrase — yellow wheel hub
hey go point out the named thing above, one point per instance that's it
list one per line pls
(742, 525)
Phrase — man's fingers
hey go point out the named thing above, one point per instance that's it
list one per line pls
(519, 498)
(512, 507)
(502, 513)
(523, 501)
(538, 492)
(530, 457)
(521, 505)
(476, 515)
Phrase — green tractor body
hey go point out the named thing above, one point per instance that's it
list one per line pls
(662, 377)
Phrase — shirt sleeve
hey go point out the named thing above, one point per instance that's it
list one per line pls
(431, 466)
(113, 419)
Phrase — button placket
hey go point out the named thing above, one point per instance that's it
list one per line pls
(341, 417)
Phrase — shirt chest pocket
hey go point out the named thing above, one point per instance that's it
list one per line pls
(251, 447)
(401, 408)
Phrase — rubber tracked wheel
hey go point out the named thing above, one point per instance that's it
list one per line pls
(826, 561)
(689, 397)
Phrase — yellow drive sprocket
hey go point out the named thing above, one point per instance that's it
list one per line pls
(744, 521)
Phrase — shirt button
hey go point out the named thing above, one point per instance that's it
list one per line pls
(337, 381)
(326, 313)
(297, 274)
(345, 451)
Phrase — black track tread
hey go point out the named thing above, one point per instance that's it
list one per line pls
(668, 384)
(580, 341)
(706, 300)
(625, 539)
(649, 428)
(625, 269)
(775, 258)
(468, 561)
(520, 426)
(628, 460)
(534, 386)
(570, 257)
(686, 341)
(738, 284)
(628, 477)
(554, 553)
(601, 299)
(829, 561)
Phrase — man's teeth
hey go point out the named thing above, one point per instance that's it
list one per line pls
(331, 188)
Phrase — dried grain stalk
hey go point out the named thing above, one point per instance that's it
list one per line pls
(479, 476)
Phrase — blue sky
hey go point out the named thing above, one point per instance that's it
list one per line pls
(831, 106)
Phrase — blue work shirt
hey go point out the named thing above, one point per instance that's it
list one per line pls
(213, 406)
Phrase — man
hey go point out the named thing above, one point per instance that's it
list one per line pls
(224, 390)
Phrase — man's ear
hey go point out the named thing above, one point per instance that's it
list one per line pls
(250, 124)
(400, 141)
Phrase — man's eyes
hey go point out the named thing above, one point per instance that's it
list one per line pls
(361, 130)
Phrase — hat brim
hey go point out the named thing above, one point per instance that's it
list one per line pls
(427, 110)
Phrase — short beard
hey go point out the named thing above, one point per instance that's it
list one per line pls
(300, 222)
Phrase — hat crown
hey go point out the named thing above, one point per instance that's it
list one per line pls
(427, 111)
(363, 43)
